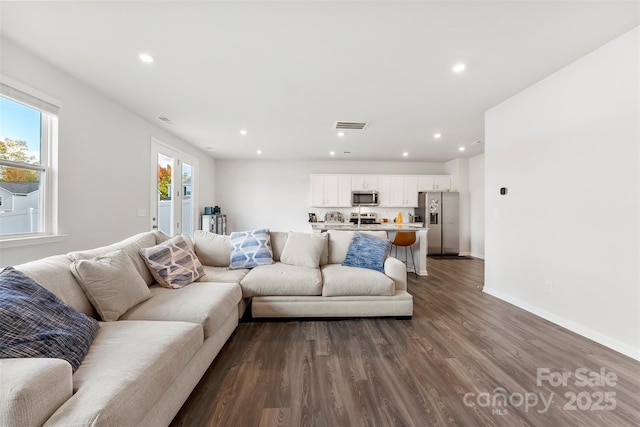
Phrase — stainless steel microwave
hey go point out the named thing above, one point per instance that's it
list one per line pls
(365, 198)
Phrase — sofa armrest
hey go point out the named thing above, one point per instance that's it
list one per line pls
(31, 390)
(397, 270)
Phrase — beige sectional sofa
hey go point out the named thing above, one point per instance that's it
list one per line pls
(140, 369)
(282, 290)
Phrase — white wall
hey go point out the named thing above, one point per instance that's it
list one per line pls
(476, 206)
(104, 160)
(275, 194)
(564, 242)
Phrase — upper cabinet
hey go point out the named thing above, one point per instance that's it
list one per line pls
(330, 190)
(334, 190)
(364, 182)
(398, 190)
(434, 182)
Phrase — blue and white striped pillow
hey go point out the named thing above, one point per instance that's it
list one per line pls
(35, 323)
(250, 249)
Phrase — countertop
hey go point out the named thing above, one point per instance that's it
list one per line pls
(387, 226)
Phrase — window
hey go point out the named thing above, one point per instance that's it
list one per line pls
(28, 132)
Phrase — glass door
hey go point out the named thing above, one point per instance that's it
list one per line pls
(188, 211)
(173, 196)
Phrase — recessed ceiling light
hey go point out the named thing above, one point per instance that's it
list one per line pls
(259, 152)
(458, 68)
(332, 153)
(405, 154)
(146, 58)
(461, 149)
(243, 132)
(340, 134)
(437, 135)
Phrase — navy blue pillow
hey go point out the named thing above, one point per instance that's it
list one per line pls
(35, 323)
(366, 251)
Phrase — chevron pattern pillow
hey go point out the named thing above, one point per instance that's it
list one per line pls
(250, 249)
(173, 263)
(35, 323)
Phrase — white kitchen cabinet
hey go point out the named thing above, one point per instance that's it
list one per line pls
(364, 182)
(384, 190)
(411, 191)
(398, 190)
(434, 182)
(330, 190)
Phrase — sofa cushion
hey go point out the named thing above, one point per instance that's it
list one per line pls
(35, 323)
(25, 394)
(250, 249)
(339, 241)
(304, 249)
(173, 263)
(111, 283)
(278, 240)
(54, 274)
(212, 249)
(131, 246)
(344, 281)
(223, 274)
(206, 304)
(127, 369)
(282, 279)
(367, 251)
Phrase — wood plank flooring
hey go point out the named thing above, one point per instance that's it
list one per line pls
(464, 359)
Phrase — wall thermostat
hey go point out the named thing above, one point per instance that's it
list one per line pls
(503, 190)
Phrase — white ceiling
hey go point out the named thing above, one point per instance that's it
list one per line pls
(287, 71)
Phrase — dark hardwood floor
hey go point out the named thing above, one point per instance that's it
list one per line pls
(464, 359)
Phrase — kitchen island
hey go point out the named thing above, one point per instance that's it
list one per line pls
(391, 228)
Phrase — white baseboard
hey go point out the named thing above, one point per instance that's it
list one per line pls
(475, 255)
(607, 341)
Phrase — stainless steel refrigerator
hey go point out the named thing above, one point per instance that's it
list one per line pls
(440, 211)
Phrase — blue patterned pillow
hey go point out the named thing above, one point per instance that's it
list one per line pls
(366, 251)
(35, 323)
(250, 249)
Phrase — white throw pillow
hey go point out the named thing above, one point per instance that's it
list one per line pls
(111, 283)
(304, 249)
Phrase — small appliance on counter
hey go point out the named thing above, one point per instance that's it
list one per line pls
(364, 218)
(333, 216)
(313, 217)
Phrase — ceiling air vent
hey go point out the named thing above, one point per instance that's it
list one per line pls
(351, 125)
(166, 120)
(477, 142)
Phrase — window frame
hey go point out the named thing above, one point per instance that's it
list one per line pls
(48, 106)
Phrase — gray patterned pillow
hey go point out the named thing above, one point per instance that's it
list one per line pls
(35, 323)
(173, 263)
(250, 249)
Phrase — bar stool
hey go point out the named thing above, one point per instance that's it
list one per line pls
(405, 238)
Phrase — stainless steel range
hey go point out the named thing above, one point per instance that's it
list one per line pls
(365, 218)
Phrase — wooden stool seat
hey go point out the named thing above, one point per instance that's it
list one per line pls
(405, 239)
